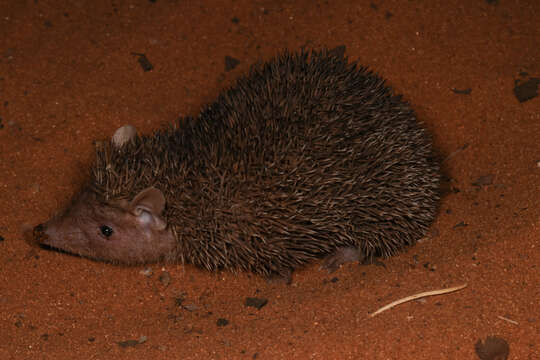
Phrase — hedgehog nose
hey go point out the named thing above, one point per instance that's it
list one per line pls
(39, 233)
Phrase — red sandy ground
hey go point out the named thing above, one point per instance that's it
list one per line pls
(68, 77)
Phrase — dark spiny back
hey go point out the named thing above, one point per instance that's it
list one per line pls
(305, 154)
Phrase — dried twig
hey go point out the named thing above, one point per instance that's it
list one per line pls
(417, 296)
(508, 320)
(456, 152)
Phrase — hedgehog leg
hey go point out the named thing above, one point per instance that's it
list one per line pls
(341, 256)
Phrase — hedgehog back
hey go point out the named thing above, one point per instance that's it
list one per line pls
(306, 154)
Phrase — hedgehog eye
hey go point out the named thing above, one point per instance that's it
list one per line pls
(105, 230)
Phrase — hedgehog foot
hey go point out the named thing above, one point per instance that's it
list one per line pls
(341, 256)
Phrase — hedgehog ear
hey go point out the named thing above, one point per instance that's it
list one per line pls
(123, 134)
(147, 206)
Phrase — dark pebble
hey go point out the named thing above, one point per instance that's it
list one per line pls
(466, 91)
(231, 63)
(526, 90)
(222, 322)
(256, 302)
(146, 65)
(165, 278)
(179, 300)
(460, 224)
(128, 343)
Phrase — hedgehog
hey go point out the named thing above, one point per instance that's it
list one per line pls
(308, 156)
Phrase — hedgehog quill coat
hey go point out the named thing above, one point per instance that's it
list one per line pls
(308, 156)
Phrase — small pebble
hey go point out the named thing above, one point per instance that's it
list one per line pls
(222, 322)
(146, 272)
(165, 278)
(256, 302)
(190, 307)
(128, 343)
(231, 63)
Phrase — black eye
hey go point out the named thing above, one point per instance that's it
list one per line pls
(105, 230)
